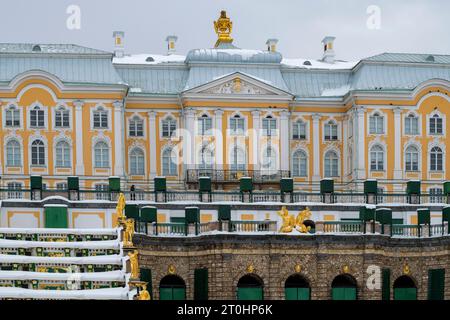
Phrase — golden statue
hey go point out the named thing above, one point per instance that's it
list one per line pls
(134, 264)
(288, 220)
(223, 27)
(128, 233)
(144, 294)
(120, 207)
(302, 216)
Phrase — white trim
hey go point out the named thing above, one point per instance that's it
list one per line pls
(293, 123)
(105, 108)
(419, 123)
(5, 108)
(381, 144)
(57, 140)
(442, 116)
(337, 123)
(176, 134)
(418, 146)
(384, 119)
(31, 107)
(131, 148)
(338, 153)
(305, 151)
(144, 130)
(53, 112)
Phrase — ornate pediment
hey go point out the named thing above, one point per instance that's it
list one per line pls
(237, 86)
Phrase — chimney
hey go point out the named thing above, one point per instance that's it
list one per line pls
(171, 40)
(272, 45)
(328, 51)
(119, 49)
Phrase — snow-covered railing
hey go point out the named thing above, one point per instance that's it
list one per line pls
(98, 294)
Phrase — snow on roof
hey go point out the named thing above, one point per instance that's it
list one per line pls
(109, 244)
(336, 92)
(107, 259)
(97, 231)
(103, 294)
(317, 64)
(117, 275)
(149, 58)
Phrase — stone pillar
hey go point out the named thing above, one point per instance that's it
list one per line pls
(219, 138)
(360, 145)
(284, 139)
(256, 135)
(189, 138)
(152, 142)
(316, 147)
(119, 150)
(79, 166)
(397, 136)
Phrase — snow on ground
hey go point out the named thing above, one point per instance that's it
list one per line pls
(88, 276)
(106, 259)
(108, 244)
(102, 294)
(97, 231)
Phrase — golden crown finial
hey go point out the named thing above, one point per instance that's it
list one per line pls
(223, 27)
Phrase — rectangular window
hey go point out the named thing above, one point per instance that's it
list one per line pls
(62, 186)
(204, 126)
(168, 128)
(102, 192)
(435, 125)
(37, 118)
(14, 190)
(299, 131)
(269, 126)
(331, 167)
(12, 118)
(411, 125)
(376, 124)
(100, 119)
(331, 132)
(62, 119)
(237, 126)
(136, 128)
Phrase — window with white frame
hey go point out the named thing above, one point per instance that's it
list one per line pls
(136, 127)
(269, 161)
(102, 191)
(13, 154)
(37, 117)
(299, 164)
(61, 186)
(269, 126)
(100, 116)
(137, 163)
(63, 155)
(204, 125)
(169, 126)
(436, 159)
(101, 155)
(436, 124)
(62, 117)
(169, 162)
(38, 153)
(206, 158)
(14, 190)
(376, 124)
(236, 125)
(12, 117)
(380, 197)
(411, 124)
(299, 130)
(237, 159)
(331, 164)
(412, 159)
(331, 131)
(377, 158)
(436, 195)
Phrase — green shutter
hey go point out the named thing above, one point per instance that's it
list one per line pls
(436, 284)
(343, 293)
(290, 293)
(179, 294)
(165, 294)
(405, 294)
(201, 284)
(250, 294)
(297, 293)
(386, 284)
(56, 217)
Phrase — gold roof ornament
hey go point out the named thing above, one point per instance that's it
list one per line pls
(223, 27)
(171, 269)
(406, 269)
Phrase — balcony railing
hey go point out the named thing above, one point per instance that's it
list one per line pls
(233, 176)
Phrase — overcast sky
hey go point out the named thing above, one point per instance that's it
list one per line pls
(404, 26)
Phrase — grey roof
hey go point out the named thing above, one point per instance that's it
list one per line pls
(48, 48)
(411, 58)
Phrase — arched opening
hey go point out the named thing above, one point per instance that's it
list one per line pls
(172, 287)
(405, 288)
(250, 287)
(343, 287)
(297, 287)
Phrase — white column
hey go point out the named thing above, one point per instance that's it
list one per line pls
(1, 166)
(397, 136)
(255, 143)
(119, 150)
(316, 147)
(152, 141)
(345, 144)
(219, 138)
(284, 139)
(189, 137)
(79, 166)
(361, 134)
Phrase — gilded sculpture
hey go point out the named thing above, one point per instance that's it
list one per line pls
(290, 222)
(134, 264)
(302, 216)
(143, 293)
(128, 232)
(223, 27)
(120, 208)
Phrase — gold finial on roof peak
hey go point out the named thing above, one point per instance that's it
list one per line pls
(223, 27)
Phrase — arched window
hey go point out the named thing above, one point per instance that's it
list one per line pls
(62, 116)
(38, 153)
(169, 126)
(12, 117)
(376, 124)
(411, 159)
(63, 154)
(137, 162)
(299, 130)
(204, 125)
(376, 158)
(236, 125)
(405, 288)
(100, 118)
(269, 159)
(101, 155)
(136, 127)
(297, 287)
(343, 287)
(436, 124)
(331, 131)
(331, 164)
(269, 126)
(169, 163)
(13, 154)
(172, 287)
(237, 159)
(411, 124)
(37, 117)
(206, 158)
(299, 164)
(250, 287)
(436, 159)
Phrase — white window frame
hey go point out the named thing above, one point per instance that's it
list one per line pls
(377, 155)
(172, 164)
(296, 123)
(442, 116)
(406, 158)
(20, 162)
(13, 188)
(234, 162)
(237, 131)
(430, 159)
(132, 119)
(137, 172)
(94, 155)
(13, 108)
(172, 134)
(40, 107)
(101, 108)
(102, 191)
(300, 175)
(64, 164)
(338, 158)
(45, 153)
(324, 128)
(269, 131)
(201, 124)
(436, 197)
(419, 123)
(379, 118)
(62, 108)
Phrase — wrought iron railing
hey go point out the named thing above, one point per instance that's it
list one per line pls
(224, 176)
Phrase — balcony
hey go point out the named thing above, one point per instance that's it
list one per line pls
(233, 176)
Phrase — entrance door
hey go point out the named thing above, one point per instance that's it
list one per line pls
(297, 293)
(405, 294)
(343, 294)
(56, 217)
(250, 294)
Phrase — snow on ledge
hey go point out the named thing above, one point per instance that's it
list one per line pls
(99, 294)
(143, 59)
(317, 64)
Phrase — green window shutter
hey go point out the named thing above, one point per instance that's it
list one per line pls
(343, 294)
(56, 217)
(250, 294)
(436, 284)
(405, 294)
(201, 284)
(146, 276)
(179, 294)
(165, 294)
(386, 284)
(303, 294)
(290, 293)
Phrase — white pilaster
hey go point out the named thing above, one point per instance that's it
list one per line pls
(152, 141)
(79, 166)
(119, 150)
(189, 137)
(256, 135)
(1, 166)
(284, 139)
(316, 146)
(360, 145)
(345, 144)
(219, 138)
(397, 136)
